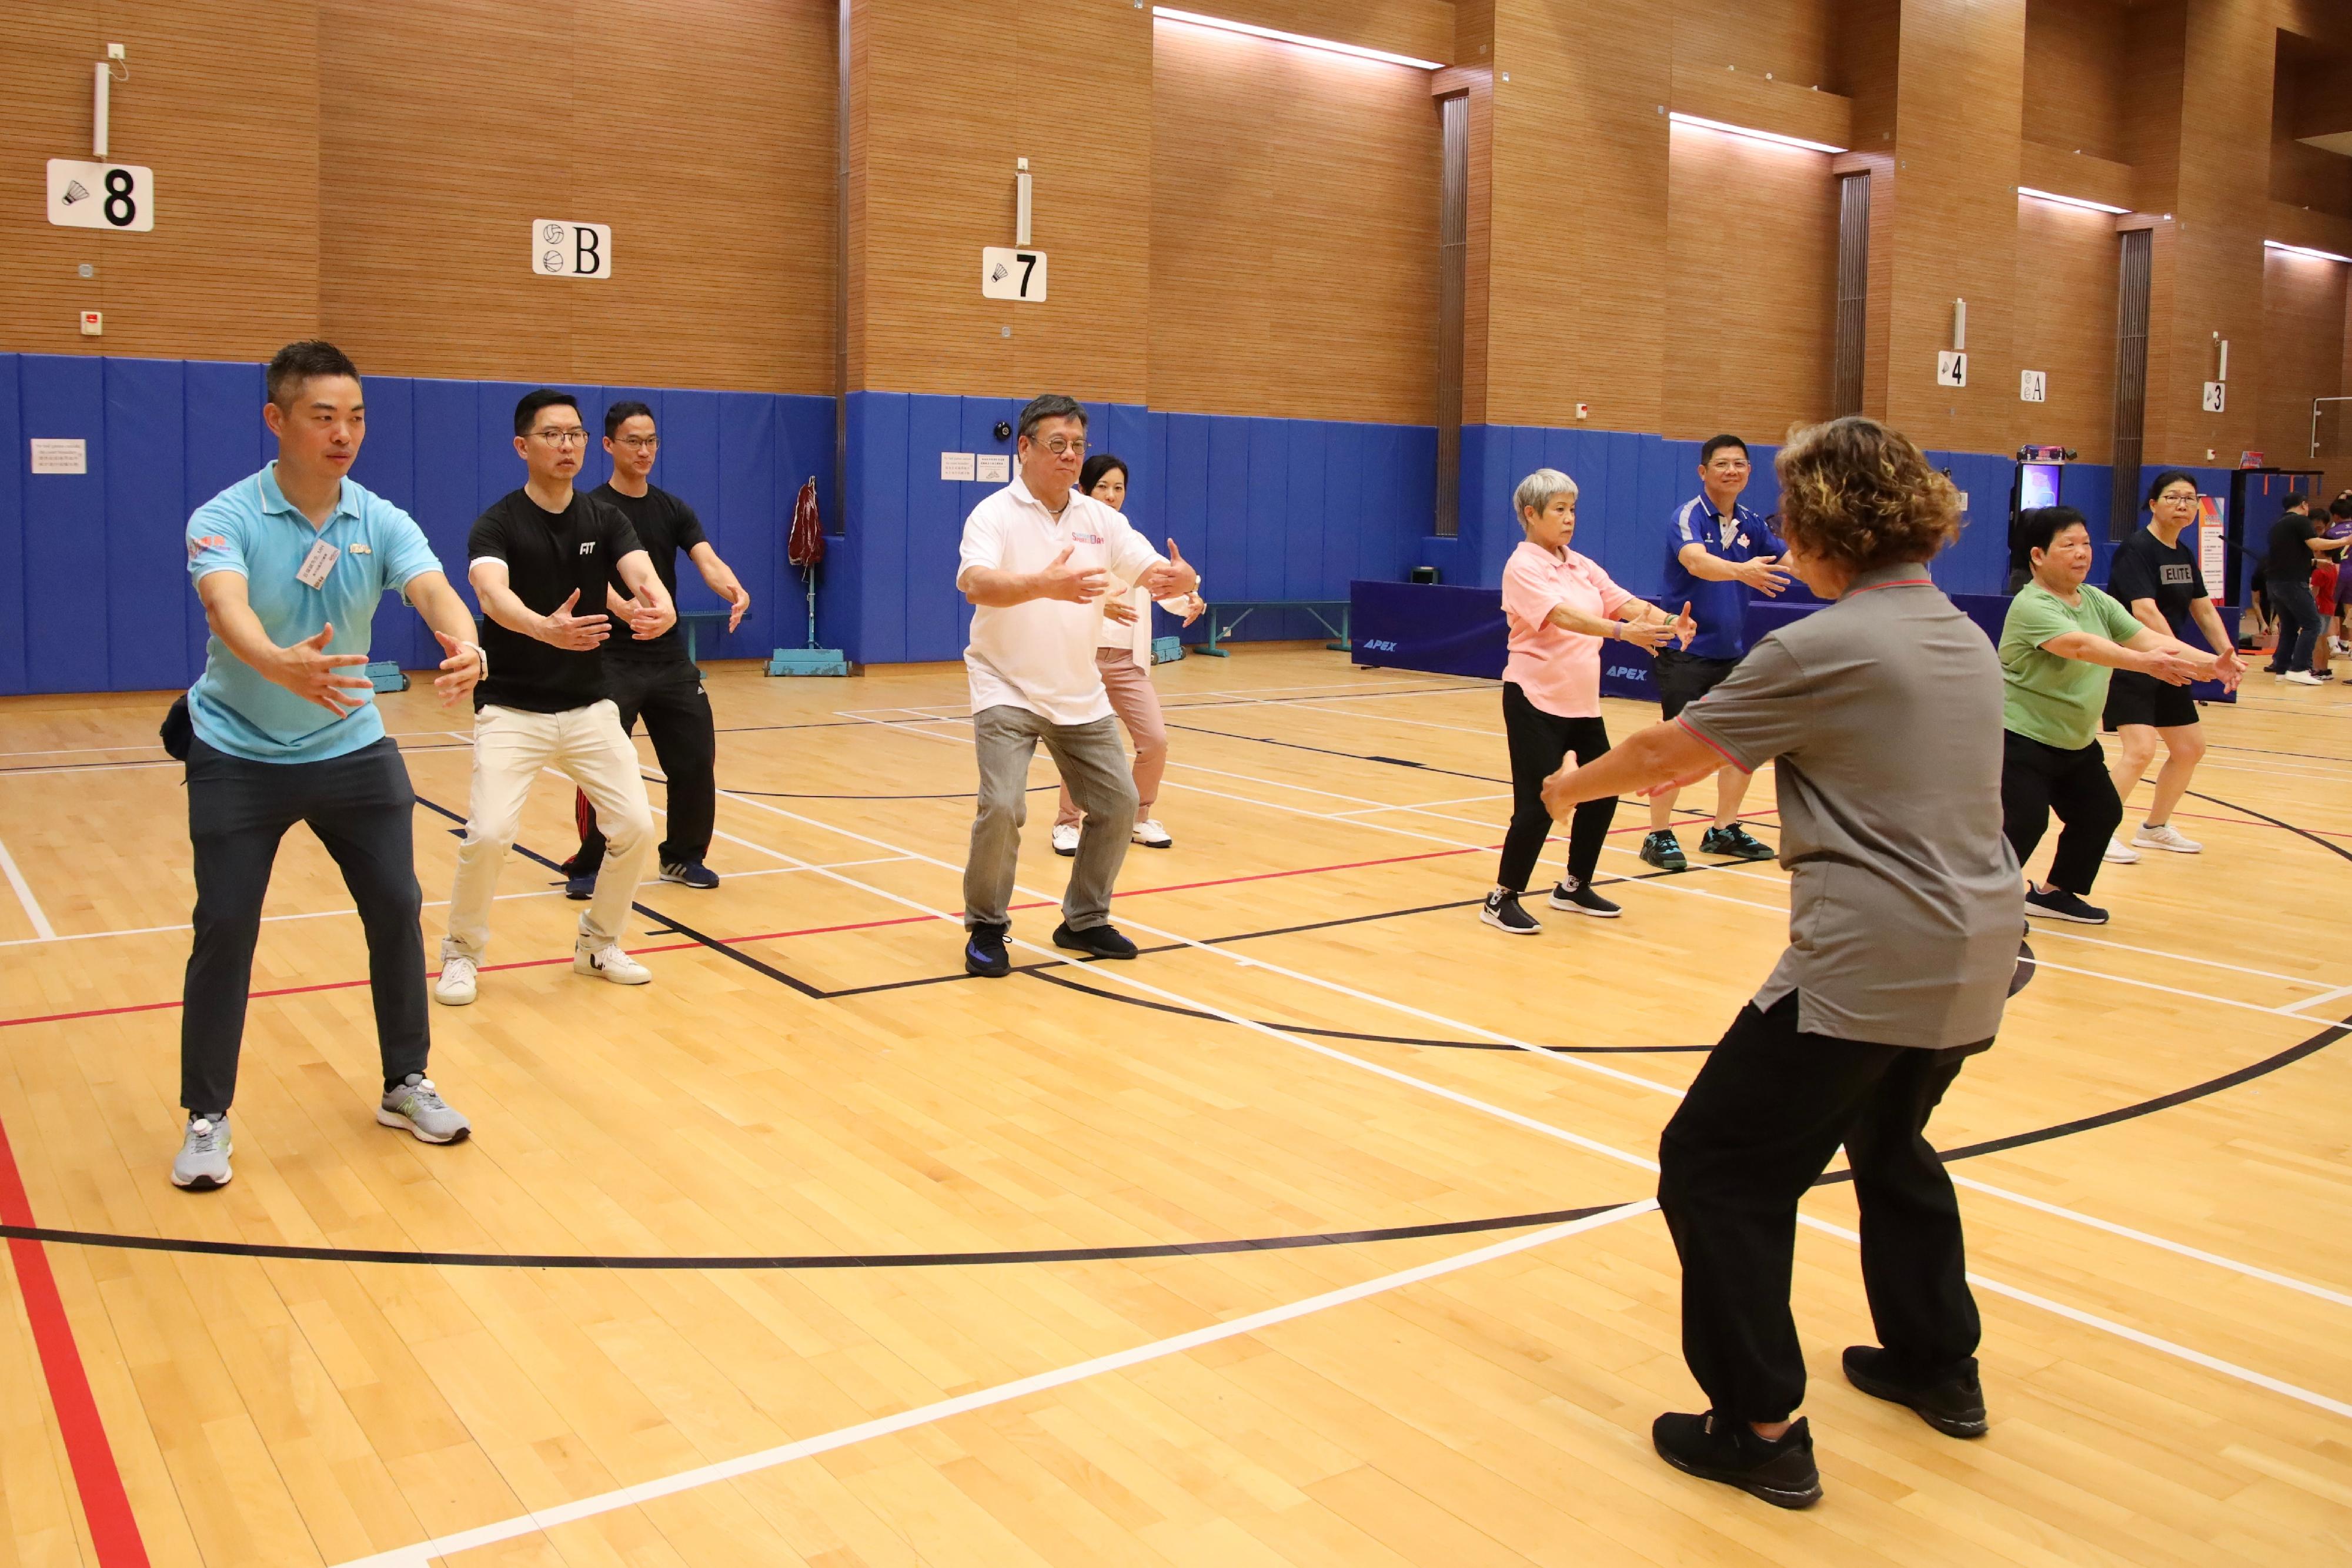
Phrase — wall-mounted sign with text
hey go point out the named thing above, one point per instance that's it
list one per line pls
(562, 248)
(1007, 272)
(84, 196)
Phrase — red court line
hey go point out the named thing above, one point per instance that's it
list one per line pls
(112, 1529)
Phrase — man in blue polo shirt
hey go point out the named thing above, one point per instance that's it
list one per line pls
(290, 564)
(1716, 550)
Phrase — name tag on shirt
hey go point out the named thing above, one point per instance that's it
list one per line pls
(312, 572)
(2176, 574)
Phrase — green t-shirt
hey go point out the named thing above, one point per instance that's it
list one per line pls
(2044, 697)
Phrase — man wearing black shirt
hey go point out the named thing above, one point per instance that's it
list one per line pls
(2155, 577)
(533, 556)
(653, 676)
(2296, 546)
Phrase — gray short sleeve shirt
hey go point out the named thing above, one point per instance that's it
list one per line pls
(1882, 716)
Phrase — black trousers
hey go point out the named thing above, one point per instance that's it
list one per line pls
(1540, 741)
(2299, 624)
(668, 695)
(1758, 1126)
(362, 808)
(2037, 779)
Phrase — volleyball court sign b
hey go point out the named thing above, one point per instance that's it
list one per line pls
(563, 248)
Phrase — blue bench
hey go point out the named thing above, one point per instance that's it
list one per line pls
(1242, 608)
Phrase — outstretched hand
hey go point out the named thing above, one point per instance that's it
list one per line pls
(309, 672)
(1762, 575)
(1684, 627)
(1077, 585)
(577, 633)
(460, 668)
(1174, 576)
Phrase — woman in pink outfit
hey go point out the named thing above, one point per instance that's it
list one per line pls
(1561, 608)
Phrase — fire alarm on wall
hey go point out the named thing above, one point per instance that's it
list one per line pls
(93, 323)
(1583, 410)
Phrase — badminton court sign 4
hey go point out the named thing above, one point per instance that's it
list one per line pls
(86, 196)
(562, 248)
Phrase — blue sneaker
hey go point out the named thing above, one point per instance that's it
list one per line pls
(580, 887)
(690, 873)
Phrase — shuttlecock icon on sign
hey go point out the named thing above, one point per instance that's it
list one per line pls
(998, 273)
(75, 191)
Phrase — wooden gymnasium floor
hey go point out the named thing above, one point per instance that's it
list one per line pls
(1318, 1235)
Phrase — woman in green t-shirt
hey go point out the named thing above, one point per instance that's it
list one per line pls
(2060, 639)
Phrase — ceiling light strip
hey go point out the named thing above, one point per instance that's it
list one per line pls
(1194, 18)
(2084, 203)
(2305, 250)
(1753, 134)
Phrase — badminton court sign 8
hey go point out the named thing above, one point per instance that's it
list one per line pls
(86, 196)
(562, 248)
(1007, 272)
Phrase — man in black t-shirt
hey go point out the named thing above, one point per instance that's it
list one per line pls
(2296, 545)
(534, 557)
(2157, 578)
(653, 676)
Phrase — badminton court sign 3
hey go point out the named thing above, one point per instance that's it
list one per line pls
(562, 248)
(84, 196)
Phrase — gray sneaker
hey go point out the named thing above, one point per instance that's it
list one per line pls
(203, 1163)
(419, 1106)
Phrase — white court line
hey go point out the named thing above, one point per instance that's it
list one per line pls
(2336, 995)
(531, 1523)
(428, 903)
(24, 895)
(2248, 1269)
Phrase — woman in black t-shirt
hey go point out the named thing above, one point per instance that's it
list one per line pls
(2157, 578)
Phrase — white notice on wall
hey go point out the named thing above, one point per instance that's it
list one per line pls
(955, 465)
(84, 195)
(2033, 386)
(1951, 368)
(69, 454)
(562, 248)
(2213, 547)
(995, 469)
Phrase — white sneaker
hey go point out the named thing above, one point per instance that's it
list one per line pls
(608, 962)
(1065, 840)
(455, 987)
(2120, 852)
(2302, 678)
(2166, 837)
(1151, 835)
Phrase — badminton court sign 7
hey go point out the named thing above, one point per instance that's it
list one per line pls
(562, 248)
(86, 196)
(1008, 272)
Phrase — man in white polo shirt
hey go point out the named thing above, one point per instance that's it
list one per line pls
(1035, 559)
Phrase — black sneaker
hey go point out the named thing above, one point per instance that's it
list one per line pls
(1665, 851)
(983, 951)
(1579, 898)
(690, 873)
(1734, 840)
(2060, 904)
(1502, 912)
(1954, 1406)
(1095, 941)
(1779, 1470)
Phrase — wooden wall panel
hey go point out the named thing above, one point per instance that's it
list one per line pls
(1751, 286)
(1065, 83)
(2067, 261)
(2303, 352)
(2077, 76)
(223, 104)
(1294, 234)
(450, 125)
(1795, 40)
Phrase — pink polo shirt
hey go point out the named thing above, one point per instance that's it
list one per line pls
(1559, 670)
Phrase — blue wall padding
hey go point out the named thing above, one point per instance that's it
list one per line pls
(94, 593)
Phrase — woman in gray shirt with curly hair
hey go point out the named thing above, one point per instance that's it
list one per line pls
(1882, 716)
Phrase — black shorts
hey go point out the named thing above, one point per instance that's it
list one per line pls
(2135, 698)
(1683, 678)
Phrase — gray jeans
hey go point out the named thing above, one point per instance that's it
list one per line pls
(1094, 765)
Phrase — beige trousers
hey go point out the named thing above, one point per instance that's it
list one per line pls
(586, 745)
(1132, 698)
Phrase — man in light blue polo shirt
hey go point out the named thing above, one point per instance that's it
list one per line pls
(290, 565)
(1717, 550)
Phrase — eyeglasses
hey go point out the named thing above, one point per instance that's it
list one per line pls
(2177, 500)
(639, 442)
(575, 436)
(1062, 446)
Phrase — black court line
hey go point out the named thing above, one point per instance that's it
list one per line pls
(2330, 847)
(779, 795)
(1352, 756)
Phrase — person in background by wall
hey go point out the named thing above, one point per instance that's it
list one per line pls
(1561, 608)
(2327, 580)
(2060, 639)
(652, 676)
(1036, 555)
(2296, 547)
(534, 555)
(2155, 577)
(1881, 714)
(1717, 551)
(1123, 654)
(290, 565)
